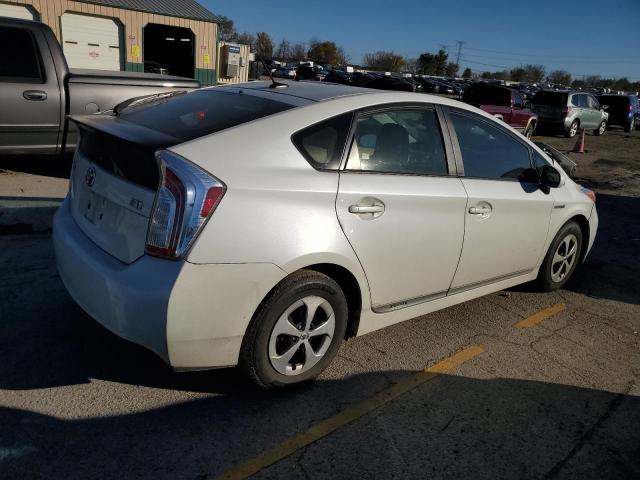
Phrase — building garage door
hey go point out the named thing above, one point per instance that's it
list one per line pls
(91, 42)
(16, 11)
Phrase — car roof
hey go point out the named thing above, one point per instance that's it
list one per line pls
(312, 91)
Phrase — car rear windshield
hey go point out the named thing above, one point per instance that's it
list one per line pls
(201, 113)
(487, 96)
(550, 98)
(615, 101)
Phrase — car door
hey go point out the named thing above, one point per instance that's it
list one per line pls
(520, 116)
(401, 205)
(30, 99)
(507, 215)
(593, 111)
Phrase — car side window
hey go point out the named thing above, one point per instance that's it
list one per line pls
(489, 152)
(517, 100)
(322, 144)
(20, 61)
(404, 140)
(576, 100)
(592, 102)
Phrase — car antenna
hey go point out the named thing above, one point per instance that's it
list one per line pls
(274, 84)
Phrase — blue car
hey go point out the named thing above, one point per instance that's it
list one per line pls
(624, 110)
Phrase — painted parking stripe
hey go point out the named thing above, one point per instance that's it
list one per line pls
(346, 416)
(541, 315)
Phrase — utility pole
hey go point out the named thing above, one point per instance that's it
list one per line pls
(460, 44)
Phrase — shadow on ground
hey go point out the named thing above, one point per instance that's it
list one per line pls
(447, 428)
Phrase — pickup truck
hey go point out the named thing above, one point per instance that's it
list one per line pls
(503, 103)
(38, 90)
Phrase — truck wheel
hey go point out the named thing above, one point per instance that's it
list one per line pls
(601, 128)
(630, 127)
(561, 259)
(296, 332)
(573, 129)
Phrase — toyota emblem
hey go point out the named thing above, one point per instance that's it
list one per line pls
(90, 176)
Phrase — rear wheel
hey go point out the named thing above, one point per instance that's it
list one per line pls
(630, 127)
(296, 332)
(562, 258)
(601, 128)
(573, 129)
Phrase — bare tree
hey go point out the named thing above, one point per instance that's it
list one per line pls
(247, 38)
(384, 61)
(298, 52)
(283, 52)
(560, 77)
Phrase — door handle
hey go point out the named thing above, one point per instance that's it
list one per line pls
(360, 209)
(483, 210)
(35, 95)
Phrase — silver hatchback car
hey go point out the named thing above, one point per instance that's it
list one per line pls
(568, 112)
(263, 224)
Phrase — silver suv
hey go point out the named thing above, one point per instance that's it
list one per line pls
(568, 112)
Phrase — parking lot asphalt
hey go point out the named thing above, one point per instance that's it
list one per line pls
(518, 384)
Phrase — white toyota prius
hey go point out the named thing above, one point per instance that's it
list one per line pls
(262, 224)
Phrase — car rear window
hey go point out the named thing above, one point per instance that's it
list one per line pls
(550, 98)
(201, 113)
(486, 95)
(614, 101)
(322, 144)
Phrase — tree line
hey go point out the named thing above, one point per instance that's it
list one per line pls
(433, 64)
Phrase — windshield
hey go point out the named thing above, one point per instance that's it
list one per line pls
(201, 112)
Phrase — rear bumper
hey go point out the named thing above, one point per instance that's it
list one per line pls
(193, 316)
(129, 299)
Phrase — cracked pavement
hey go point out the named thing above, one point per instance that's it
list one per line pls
(560, 399)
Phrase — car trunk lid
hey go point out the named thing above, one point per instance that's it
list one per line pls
(114, 182)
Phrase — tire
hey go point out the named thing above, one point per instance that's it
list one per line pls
(630, 127)
(558, 266)
(271, 355)
(528, 132)
(573, 129)
(601, 128)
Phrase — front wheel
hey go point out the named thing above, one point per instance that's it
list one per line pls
(296, 332)
(601, 128)
(562, 258)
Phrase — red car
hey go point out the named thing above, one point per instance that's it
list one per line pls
(503, 103)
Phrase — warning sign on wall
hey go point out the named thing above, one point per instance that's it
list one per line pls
(205, 59)
(135, 51)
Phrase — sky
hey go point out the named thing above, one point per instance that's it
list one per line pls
(585, 37)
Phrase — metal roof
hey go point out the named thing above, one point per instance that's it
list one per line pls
(173, 8)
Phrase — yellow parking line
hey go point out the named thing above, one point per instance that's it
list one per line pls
(541, 315)
(346, 416)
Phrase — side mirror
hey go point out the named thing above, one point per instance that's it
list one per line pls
(604, 107)
(549, 177)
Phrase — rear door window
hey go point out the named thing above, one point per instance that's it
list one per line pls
(489, 152)
(202, 112)
(19, 60)
(403, 140)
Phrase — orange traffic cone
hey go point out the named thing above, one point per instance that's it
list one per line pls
(579, 148)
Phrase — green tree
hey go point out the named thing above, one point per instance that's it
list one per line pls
(467, 73)
(441, 62)
(264, 45)
(384, 61)
(226, 30)
(560, 77)
(452, 69)
(427, 63)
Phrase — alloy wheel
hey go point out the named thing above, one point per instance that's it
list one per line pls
(564, 258)
(602, 127)
(573, 129)
(302, 335)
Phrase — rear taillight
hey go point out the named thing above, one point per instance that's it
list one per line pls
(566, 109)
(186, 198)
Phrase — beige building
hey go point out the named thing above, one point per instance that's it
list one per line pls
(178, 37)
